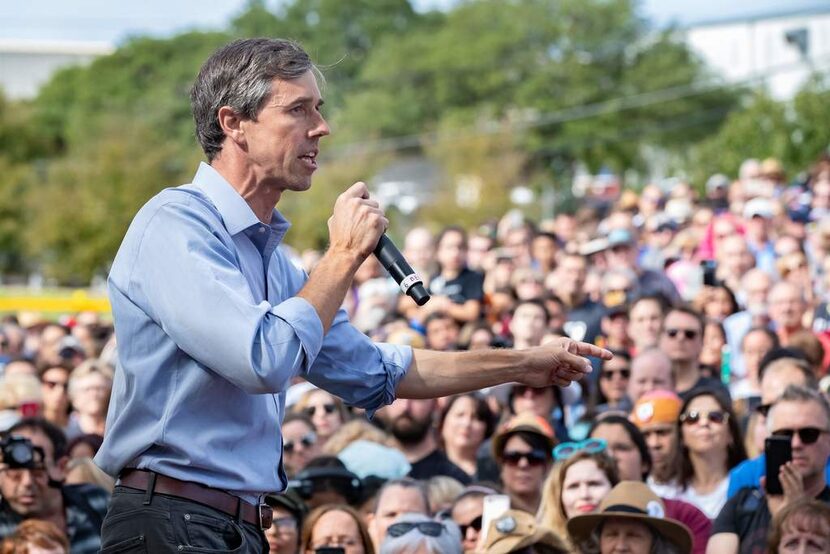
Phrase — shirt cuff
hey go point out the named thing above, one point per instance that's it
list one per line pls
(396, 360)
(303, 318)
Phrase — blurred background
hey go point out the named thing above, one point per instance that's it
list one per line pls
(453, 111)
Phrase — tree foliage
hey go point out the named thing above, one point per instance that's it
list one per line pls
(496, 93)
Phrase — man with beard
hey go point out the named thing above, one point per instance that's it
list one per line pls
(411, 423)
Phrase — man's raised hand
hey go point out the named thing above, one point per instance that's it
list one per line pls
(357, 223)
(561, 362)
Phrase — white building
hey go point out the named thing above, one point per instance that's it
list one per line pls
(27, 64)
(782, 48)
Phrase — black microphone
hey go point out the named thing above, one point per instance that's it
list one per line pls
(393, 261)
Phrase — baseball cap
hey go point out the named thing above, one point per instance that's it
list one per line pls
(758, 207)
(619, 237)
(656, 407)
(718, 181)
(526, 422)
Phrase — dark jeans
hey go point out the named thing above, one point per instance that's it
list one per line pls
(172, 524)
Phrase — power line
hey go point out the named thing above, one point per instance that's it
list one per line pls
(574, 113)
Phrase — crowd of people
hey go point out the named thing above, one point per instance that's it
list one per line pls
(714, 304)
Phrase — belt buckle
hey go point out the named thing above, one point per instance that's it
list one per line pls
(266, 516)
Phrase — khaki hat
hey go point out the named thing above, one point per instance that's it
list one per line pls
(635, 501)
(528, 423)
(517, 529)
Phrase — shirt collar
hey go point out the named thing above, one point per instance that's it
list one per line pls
(235, 212)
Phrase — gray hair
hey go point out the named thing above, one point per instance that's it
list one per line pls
(448, 542)
(240, 75)
(406, 483)
(795, 393)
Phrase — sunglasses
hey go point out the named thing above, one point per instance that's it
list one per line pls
(807, 435)
(428, 528)
(715, 416)
(534, 458)
(689, 334)
(474, 524)
(327, 408)
(306, 440)
(763, 409)
(568, 449)
(608, 375)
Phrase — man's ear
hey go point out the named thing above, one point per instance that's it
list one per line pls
(231, 124)
(60, 467)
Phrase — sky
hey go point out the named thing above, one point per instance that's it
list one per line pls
(115, 20)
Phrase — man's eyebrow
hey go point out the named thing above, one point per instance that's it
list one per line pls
(300, 100)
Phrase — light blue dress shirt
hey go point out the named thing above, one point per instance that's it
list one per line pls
(210, 334)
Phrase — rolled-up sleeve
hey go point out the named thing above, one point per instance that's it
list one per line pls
(363, 373)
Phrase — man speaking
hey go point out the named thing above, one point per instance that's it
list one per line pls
(213, 321)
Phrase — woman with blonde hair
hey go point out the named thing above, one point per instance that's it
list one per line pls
(326, 411)
(89, 385)
(336, 525)
(584, 473)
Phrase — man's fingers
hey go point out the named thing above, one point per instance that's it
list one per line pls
(574, 363)
(586, 349)
(357, 190)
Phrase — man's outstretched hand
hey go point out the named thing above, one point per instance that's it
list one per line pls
(560, 362)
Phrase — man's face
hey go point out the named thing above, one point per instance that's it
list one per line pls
(27, 490)
(682, 337)
(645, 323)
(661, 439)
(282, 143)
(419, 248)
(734, 257)
(452, 251)
(786, 306)
(622, 255)
(572, 272)
(775, 382)
(408, 420)
(544, 250)
(393, 502)
(537, 401)
(528, 324)
(442, 334)
(809, 459)
(757, 288)
(53, 383)
(649, 372)
(753, 348)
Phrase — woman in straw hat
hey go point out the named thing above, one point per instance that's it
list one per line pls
(631, 519)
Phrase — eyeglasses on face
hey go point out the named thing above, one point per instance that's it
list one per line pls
(693, 417)
(327, 408)
(807, 435)
(533, 458)
(428, 528)
(608, 374)
(689, 334)
(568, 449)
(474, 524)
(306, 440)
(285, 524)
